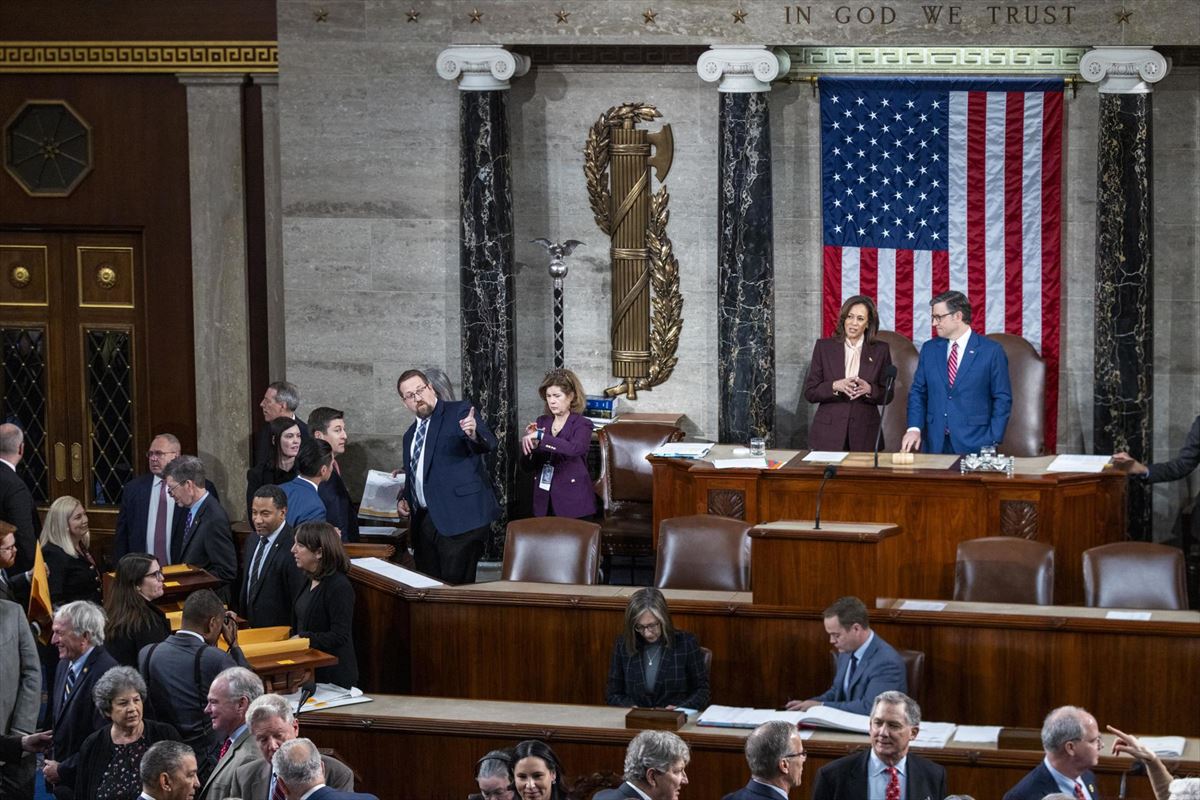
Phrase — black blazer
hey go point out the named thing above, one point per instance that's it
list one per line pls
(1038, 783)
(76, 718)
(339, 508)
(265, 474)
(272, 599)
(209, 545)
(98, 750)
(753, 790)
(846, 778)
(71, 577)
(134, 516)
(124, 647)
(682, 679)
(325, 615)
(17, 508)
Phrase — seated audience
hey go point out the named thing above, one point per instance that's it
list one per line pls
(134, 620)
(281, 466)
(281, 399)
(110, 759)
(537, 772)
(653, 664)
(298, 767)
(866, 664)
(168, 772)
(78, 635)
(207, 540)
(887, 769)
(65, 540)
(271, 581)
(655, 767)
(313, 467)
(272, 722)
(775, 754)
(1071, 739)
(325, 608)
(180, 671)
(229, 698)
(556, 448)
(329, 425)
(493, 773)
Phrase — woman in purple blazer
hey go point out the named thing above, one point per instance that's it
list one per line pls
(557, 445)
(846, 379)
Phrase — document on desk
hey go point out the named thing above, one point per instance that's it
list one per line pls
(1078, 463)
(380, 493)
(825, 457)
(683, 450)
(817, 717)
(934, 734)
(395, 572)
(328, 695)
(1166, 746)
(977, 734)
(740, 463)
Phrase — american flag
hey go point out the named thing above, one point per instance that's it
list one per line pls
(946, 183)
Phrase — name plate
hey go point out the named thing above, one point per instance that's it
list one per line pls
(655, 719)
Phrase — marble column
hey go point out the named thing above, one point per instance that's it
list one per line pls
(273, 224)
(489, 368)
(745, 239)
(1124, 360)
(219, 304)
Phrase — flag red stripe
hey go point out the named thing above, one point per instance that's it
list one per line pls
(1051, 254)
(904, 293)
(1014, 136)
(868, 272)
(976, 206)
(941, 275)
(831, 298)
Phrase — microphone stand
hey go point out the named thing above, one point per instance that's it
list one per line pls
(830, 471)
(889, 383)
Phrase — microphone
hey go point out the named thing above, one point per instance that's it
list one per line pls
(889, 383)
(830, 471)
(306, 691)
(1138, 768)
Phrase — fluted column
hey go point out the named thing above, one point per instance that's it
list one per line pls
(1124, 361)
(486, 252)
(745, 239)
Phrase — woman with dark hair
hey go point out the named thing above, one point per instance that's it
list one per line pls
(653, 664)
(325, 608)
(280, 468)
(845, 379)
(537, 773)
(134, 621)
(556, 446)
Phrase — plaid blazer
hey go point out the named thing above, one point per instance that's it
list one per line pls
(682, 679)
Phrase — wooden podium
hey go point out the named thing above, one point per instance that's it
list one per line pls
(854, 558)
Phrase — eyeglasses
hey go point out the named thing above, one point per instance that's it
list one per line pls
(7, 547)
(939, 317)
(156, 574)
(172, 489)
(497, 794)
(160, 453)
(411, 396)
(801, 756)
(652, 626)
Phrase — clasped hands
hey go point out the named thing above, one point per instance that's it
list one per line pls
(853, 388)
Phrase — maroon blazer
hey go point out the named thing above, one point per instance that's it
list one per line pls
(571, 489)
(838, 418)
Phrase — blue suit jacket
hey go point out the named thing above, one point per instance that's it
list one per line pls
(1038, 783)
(76, 717)
(975, 411)
(753, 790)
(326, 793)
(134, 515)
(879, 670)
(458, 489)
(304, 503)
(339, 508)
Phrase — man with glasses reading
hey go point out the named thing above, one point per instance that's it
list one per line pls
(1071, 739)
(206, 540)
(447, 490)
(775, 754)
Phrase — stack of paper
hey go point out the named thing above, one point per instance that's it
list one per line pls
(817, 717)
(978, 734)
(387, 569)
(683, 450)
(328, 695)
(380, 493)
(934, 734)
(1168, 746)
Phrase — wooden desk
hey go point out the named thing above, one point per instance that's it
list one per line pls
(285, 672)
(179, 580)
(935, 507)
(855, 558)
(985, 664)
(394, 740)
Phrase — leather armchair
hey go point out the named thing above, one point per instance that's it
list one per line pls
(895, 414)
(1134, 575)
(703, 552)
(626, 485)
(552, 550)
(1026, 432)
(1004, 569)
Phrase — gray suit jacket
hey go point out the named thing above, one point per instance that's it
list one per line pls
(20, 672)
(620, 793)
(220, 783)
(253, 781)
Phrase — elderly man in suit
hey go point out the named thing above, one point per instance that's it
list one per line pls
(79, 636)
(448, 490)
(20, 693)
(329, 424)
(229, 698)
(887, 769)
(207, 540)
(272, 722)
(16, 503)
(655, 767)
(314, 464)
(1071, 739)
(270, 578)
(961, 396)
(281, 399)
(775, 754)
(299, 769)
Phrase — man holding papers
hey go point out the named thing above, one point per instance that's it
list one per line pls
(866, 664)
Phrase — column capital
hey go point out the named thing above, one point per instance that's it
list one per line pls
(742, 68)
(1124, 69)
(481, 67)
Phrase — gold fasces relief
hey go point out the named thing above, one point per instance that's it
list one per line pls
(647, 306)
(20, 277)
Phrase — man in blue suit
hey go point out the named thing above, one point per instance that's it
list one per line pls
(297, 764)
(313, 465)
(1071, 739)
(329, 424)
(867, 666)
(775, 753)
(447, 490)
(960, 397)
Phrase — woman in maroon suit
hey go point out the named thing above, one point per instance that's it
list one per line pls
(846, 379)
(557, 445)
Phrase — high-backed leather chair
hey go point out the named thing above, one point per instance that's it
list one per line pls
(703, 552)
(1004, 569)
(626, 485)
(1026, 432)
(1134, 575)
(552, 550)
(914, 671)
(895, 414)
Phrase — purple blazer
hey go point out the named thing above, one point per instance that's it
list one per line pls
(838, 417)
(571, 489)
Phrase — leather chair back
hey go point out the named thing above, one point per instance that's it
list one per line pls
(625, 474)
(703, 552)
(1004, 569)
(552, 550)
(1134, 575)
(1026, 432)
(895, 415)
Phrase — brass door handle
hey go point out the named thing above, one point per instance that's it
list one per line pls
(60, 461)
(76, 462)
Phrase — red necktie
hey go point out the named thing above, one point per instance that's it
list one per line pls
(160, 526)
(893, 788)
(952, 365)
(1079, 792)
(224, 748)
(277, 792)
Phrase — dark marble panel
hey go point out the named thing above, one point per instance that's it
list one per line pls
(745, 271)
(1124, 363)
(486, 272)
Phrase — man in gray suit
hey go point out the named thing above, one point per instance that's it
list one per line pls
(20, 695)
(271, 724)
(229, 699)
(655, 767)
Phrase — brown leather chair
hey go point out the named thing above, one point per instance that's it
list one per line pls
(703, 552)
(626, 485)
(914, 672)
(1026, 432)
(552, 550)
(1134, 575)
(895, 414)
(1004, 569)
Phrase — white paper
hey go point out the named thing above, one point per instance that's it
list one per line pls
(934, 734)
(978, 734)
(377, 530)
(395, 572)
(380, 493)
(922, 605)
(1140, 616)
(826, 456)
(683, 450)
(740, 463)
(328, 695)
(1078, 463)
(820, 716)
(1164, 745)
